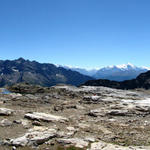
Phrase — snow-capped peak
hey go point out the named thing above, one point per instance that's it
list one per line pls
(147, 68)
(126, 66)
(121, 72)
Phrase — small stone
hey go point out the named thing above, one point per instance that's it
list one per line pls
(17, 121)
(25, 123)
(74, 141)
(58, 108)
(5, 123)
(36, 123)
(6, 112)
(118, 112)
(71, 129)
(14, 148)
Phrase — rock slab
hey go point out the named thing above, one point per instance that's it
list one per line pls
(44, 117)
(35, 136)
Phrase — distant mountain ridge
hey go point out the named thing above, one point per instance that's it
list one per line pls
(88, 72)
(115, 73)
(142, 81)
(120, 72)
(45, 74)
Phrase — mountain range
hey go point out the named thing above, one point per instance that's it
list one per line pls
(142, 81)
(115, 73)
(88, 72)
(44, 74)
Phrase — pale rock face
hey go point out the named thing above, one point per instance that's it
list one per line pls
(97, 112)
(83, 125)
(34, 136)
(44, 117)
(106, 146)
(74, 141)
(90, 139)
(15, 95)
(6, 111)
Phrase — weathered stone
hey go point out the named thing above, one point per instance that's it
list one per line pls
(17, 121)
(58, 108)
(118, 112)
(106, 146)
(25, 123)
(15, 95)
(44, 117)
(71, 128)
(90, 139)
(97, 112)
(5, 123)
(6, 112)
(74, 141)
(80, 107)
(91, 99)
(14, 148)
(36, 123)
(83, 125)
(142, 108)
(105, 130)
(34, 136)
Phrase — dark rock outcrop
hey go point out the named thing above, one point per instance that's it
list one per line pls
(142, 81)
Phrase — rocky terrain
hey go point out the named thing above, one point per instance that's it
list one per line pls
(67, 117)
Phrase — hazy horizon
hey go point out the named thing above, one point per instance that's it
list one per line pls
(86, 68)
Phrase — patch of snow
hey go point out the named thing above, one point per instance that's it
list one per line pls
(144, 102)
(15, 70)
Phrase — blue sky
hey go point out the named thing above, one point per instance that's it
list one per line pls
(85, 33)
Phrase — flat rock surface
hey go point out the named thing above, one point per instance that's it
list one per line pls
(44, 117)
(74, 141)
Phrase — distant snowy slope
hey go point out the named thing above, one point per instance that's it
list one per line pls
(115, 72)
(120, 72)
(88, 72)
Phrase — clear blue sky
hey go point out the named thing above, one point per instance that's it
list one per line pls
(85, 33)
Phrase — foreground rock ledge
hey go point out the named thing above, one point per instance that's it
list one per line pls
(34, 136)
(44, 117)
